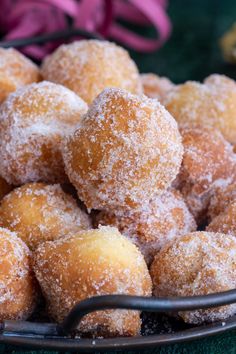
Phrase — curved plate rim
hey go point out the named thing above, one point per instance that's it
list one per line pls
(119, 343)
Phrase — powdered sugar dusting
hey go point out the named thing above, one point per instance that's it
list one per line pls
(199, 263)
(211, 104)
(164, 218)
(15, 71)
(95, 262)
(225, 222)
(222, 197)
(89, 66)
(155, 86)
(33, 122)
(126, 149)
(208, 163)
(17, 286)
(53, 213)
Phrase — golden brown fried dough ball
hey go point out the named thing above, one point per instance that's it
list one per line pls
(212, 103)
(33, 122)
(87, 67)
(208, 162)
(125, 150)
(15, 71)
(18, 290)
(5, 188)
(199, 263)
(166, 217)
(90, 263)
(155, 86)
(38, 212)
(227, 45)
(225, 222)
(222, 197)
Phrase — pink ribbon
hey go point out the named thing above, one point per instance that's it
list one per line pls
(27, 18)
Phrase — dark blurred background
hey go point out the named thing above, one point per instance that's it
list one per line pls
(192, 51)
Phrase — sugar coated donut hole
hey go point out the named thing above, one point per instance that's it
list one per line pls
(155, 86)
(33, 122)
(18, 291)
(221, 198)
(208, 162)
(225, 222)
(212, 103)
(166, 217)
(90, 263)
(15, 71)
(38, 212)
(89, 66)
(126, 149)
(4, 187)
(198, 263)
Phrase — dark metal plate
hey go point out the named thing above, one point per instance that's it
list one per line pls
(158, 328)
(133, 343)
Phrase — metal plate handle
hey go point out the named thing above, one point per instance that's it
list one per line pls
(149, 304)
(49, 37)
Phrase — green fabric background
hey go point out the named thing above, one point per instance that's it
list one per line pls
(191, 53)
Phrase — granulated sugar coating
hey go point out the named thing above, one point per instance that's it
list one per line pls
(165, 217)
(18, 289)
(208, 163)
(4, 187)
(199, 263)
(225, 222)
(33, 122)
(87, 67)
(40, 212)
(125, 150)
(155, 86)
(221, 199)
(90, 263)
(15, 71)
(212, 103)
